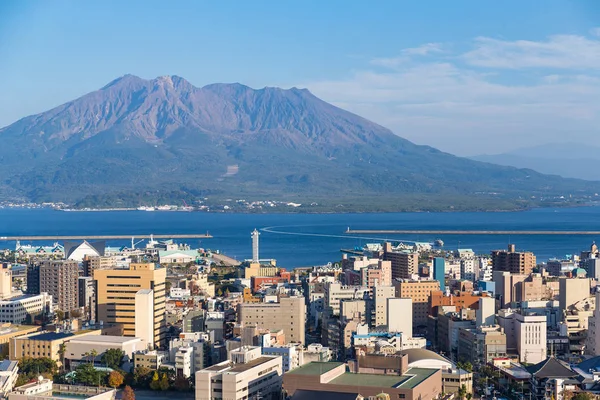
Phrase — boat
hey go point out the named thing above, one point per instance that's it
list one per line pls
(439, 243)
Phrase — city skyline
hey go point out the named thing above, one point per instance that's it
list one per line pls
(457, 77)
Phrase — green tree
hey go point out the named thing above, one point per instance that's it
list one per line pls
(155, 383)
(164, 382)
(462, 392)
(583, 396)
(86, 374)
(113, 358)
(128, 394)
(60, 315)
(141, 376)
(36, 366)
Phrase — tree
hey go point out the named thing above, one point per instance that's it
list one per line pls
(113, 358)
(168, 286)
(141, 376)
(88, 375)
(155, 383)
(115, 379)
(128, 394)
(583, 396)
(60, 314)
(181, 384)
(75, 313)
(164, 382)
(462, 392)
(469, 396)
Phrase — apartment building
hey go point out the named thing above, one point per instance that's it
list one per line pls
(92, 263)
(513, 261)
(258, 378)
(289, 314)
(58, 278)
(380, 296)
(116, 296)
(404, 263)
(419, 292)
(377, 274)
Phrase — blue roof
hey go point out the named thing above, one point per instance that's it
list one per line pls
(51, 336)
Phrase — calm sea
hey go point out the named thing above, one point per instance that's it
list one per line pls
(312, 239)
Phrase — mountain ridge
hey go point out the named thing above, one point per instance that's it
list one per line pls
(167, 136)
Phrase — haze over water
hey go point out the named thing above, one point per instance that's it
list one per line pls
(313, 239)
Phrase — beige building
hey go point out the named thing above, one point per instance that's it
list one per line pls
(572, 290)
(404, 263)
(419, 292)
(289, 314)
(258, 269)
(513, 261)
(399, 316)
(77, 348)
(9, 331)
(258, 378)
(380, 296)
(150, 359)
(92, 263)
(5, 281)
(116, 296)
(60, 280)
(44, 344)
(336, 292)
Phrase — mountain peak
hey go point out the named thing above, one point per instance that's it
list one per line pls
(125, 79)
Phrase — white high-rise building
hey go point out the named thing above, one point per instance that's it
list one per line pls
(486, 314)
(144, 310)
(530, 331)
(399, 316)
(255, 235)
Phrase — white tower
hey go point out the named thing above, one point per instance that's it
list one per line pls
(254, 235)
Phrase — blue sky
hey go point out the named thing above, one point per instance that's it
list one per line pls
(468, 77)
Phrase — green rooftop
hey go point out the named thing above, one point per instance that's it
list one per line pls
(315, 368)
(411, 379)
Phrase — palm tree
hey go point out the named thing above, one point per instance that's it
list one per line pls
(61, 351)
(93, 355)
(462, 392)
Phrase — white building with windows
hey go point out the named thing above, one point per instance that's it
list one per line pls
(15, 310)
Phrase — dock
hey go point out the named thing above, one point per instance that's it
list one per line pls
(107, 237)
(465, 232)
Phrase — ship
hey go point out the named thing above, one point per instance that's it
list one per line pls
(439, 243)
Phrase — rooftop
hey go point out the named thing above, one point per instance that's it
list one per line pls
(104, 339)
(411, 379)
(315, 368)
(237, 368)
(48, 336)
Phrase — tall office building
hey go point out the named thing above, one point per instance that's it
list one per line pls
(87, 296)
(255, 235)
(513, 261)
(116, 291)
(33, 278)
(399, 316)
(420, 293)
(439, 272)
(59, 278)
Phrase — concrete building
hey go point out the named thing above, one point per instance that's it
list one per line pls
(144, 327)
(410, 384)
(259, 378)
(288, 314)
(152, 359)
(290, 355)
(77, 251)
(9, 331)
(193, 321)
(116, 296)
(92, 263)
(86, 296)
(572, 290)
(530, 331)
(399, 316)
(479, 346)
(5, 281)
(78, 348)
(513, 261)
(9, 372)
(468, 268)
(44, 344)
(439, 272)
(334, 293)
(215, 324)
(560, 267)
(380, 296)
(419, 292)
(376, 275)
(593, 337)
(404, 263)
(486, 313)
(25, 308)
(58, 278)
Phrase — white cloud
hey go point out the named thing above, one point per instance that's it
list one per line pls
(424, 50)
(466, 109)
(595, 31)
(559, 51)
(407, 55)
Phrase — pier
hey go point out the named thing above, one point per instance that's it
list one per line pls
(107, 237)
(466, 232)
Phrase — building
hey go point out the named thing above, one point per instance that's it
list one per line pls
(145, 327)
(419, 292)
(530, 331)
(550, 378)
(411, 384)
(255, 256)
(439, 272)
(572, 290)
(92, 263)
(404, 263)
(25, 308)
(5, 281)
(58, 278)
(290, 355)
(44, 344)
(9, 331)
(77, 251)
(486, 313)
(399, 316)
(78, 348)
(479, 346)
(379, 274)
(45, 389)
(151, 359)
(288, 314)
(259, 378)
(513, 261)
(335, 293)
(116, 297)
(86, 296)
(380, 296)
(9, 372)
(193, 321)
